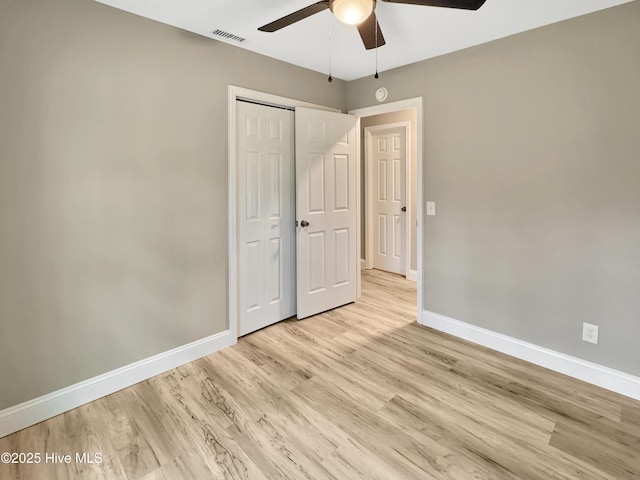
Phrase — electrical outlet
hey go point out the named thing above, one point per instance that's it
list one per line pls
(590, 333)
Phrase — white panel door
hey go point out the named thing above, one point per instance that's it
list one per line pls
(389, 200)
(266, 216)
(326, 210)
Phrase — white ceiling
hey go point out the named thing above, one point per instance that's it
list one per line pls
(412, 32)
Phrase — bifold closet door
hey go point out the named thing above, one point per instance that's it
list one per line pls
(326, 210)
(265, 215)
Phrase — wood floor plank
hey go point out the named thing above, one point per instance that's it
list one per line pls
(274, 453)
(85, 433)
(631, 415)
(207, 438)
(37, 439)
(367, 429)
(354, 462)
(189, 467)
(288, 375)
(518, 368)
(191, 389)
(620, 459)
(359, 392)
(304, 426)
(130, 445)
(497, 447)
(460, 461)
(157, 421)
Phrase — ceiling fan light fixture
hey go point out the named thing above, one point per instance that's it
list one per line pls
(352, 12)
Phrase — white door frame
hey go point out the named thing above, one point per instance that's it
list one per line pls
(369, 132)
(394, 107)
(235, 93)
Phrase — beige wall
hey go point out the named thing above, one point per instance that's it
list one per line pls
(113, 186)
(531, 152)
(410, 116)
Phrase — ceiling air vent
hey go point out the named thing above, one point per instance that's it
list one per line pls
(228, 36)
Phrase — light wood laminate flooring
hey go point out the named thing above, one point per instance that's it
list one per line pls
(360, 392)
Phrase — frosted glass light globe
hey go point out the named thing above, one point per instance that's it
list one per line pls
(352, 12)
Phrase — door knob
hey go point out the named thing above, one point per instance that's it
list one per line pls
(304, 223)
(404, 209)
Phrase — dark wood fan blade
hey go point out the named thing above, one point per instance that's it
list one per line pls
(367, 30)
(295, 17)
(463, 4)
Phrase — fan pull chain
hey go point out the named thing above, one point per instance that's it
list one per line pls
(330, 79)
(376, 13)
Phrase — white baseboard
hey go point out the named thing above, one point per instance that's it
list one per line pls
(34, 411)
(584, 370)
(363, 264)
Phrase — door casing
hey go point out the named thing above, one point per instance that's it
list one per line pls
(234, 93)
(394, 107)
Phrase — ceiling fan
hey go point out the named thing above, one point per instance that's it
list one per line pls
(361, 13)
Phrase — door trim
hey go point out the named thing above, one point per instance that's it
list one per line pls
(394, 107)
(234, 93)
(369, 132)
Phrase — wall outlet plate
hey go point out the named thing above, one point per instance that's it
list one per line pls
(431, 208)
(590, 333)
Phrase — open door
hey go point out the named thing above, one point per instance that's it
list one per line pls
(325, 210)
